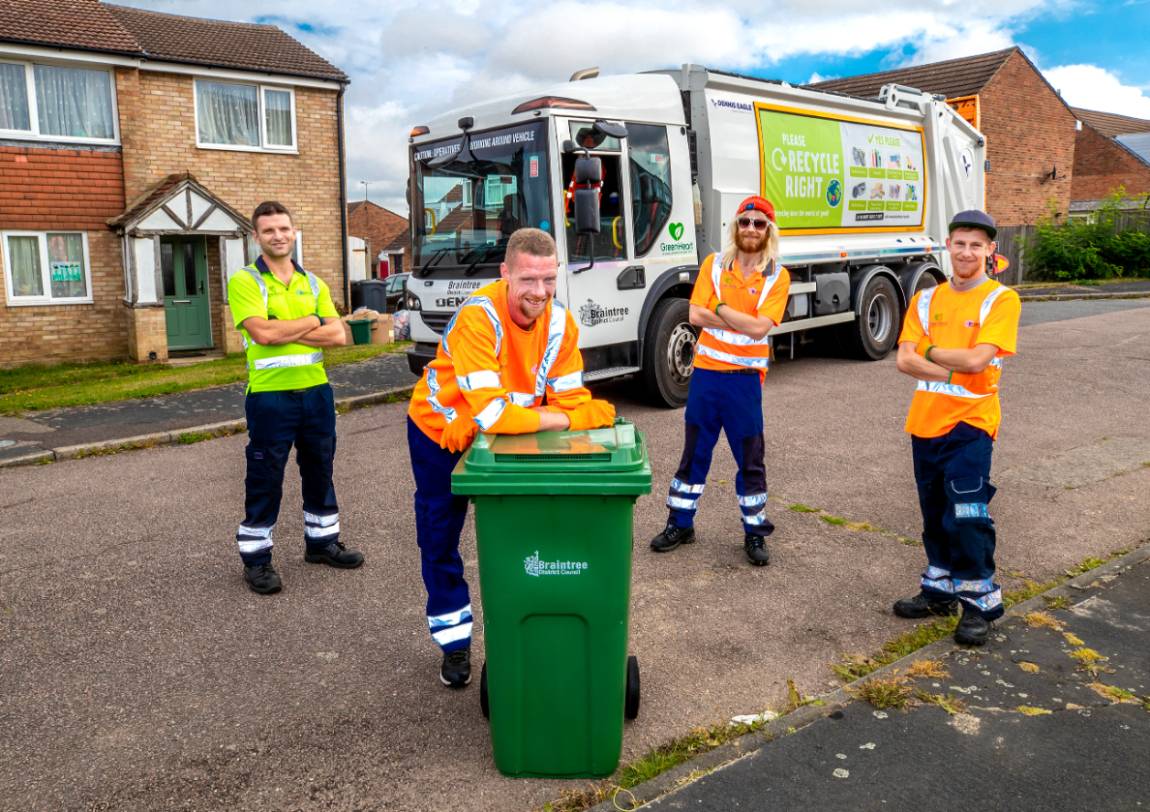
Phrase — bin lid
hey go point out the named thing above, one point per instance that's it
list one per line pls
(611, 460)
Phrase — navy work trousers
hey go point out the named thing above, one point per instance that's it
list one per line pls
(731, 402)
(954, 491)
(304, 418)
(439, 518)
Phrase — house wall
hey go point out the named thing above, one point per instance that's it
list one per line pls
(1101, 165)
(67, 189)
(1029, 131)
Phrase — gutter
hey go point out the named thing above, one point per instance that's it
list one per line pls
(343, 198)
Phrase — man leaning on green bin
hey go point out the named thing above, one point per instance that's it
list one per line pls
(509, 363)
(286, 317)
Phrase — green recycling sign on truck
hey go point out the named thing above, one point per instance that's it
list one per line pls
(828, 173)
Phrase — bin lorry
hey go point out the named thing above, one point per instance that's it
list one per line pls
(863, 191)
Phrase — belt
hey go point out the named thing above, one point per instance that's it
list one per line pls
(734, 371)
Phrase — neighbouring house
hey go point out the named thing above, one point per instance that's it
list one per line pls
(133, 147)
(1030, 131)
(1111, 151)
(386, 237)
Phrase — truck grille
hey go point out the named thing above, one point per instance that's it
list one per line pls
(436, 321)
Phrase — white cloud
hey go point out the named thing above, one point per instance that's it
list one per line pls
(1095, 88)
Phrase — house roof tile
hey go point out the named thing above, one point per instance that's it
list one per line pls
(82, 24)
(952, 78)
(1112, 124)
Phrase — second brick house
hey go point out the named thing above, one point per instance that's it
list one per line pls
(1112, 151)
(133, 147)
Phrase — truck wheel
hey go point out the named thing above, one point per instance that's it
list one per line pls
(668, 352)
(484, 704)
(924, 282)
(631, 704)
(876, 326)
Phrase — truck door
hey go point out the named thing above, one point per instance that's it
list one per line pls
(600, 297)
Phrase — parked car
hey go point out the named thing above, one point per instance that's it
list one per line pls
(396, 288)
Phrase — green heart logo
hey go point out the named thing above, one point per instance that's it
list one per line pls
(676, 231)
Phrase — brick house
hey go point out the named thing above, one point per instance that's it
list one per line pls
(385, 234)
(1029, 129)
(133, 147)
(1111, 151)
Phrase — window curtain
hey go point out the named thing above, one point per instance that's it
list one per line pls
(74, 102)
(228, 114)
(13, 98)
(277, 104)
(24, 254)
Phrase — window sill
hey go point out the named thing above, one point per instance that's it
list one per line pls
(22, 302)
(265, 150)
(22, 135)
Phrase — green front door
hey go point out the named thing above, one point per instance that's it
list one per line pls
(184, 266)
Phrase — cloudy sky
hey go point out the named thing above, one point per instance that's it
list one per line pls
(412, 59)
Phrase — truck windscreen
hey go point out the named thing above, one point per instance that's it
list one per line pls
(474, 192)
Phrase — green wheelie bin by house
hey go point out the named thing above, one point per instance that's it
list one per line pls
(553, 520)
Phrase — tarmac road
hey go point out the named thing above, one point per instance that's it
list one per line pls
(137, 672)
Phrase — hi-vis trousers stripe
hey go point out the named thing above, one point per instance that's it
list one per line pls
(450, 627)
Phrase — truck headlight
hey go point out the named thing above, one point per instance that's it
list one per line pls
(410, 301)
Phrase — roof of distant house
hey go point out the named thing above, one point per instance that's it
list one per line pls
(1138, 143)
(952, 78)
(1111, 124)
(94, 26)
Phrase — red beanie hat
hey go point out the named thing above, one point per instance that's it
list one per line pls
(761, 204)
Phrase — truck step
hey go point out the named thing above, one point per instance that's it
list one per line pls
(609, 372)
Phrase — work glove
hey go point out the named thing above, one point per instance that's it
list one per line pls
(458, 434)
(977, 383)
(593, 414)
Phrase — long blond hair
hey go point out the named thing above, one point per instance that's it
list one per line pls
(770, 253)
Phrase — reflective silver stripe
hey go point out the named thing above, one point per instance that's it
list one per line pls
(452, 634)
(987, 303)
(555, 329)
(757, 519)
(284, 361)
(521, 398)
(312, 282)
(753, 501)
(321, 532)
(768, 284)
(951, 389)
(681, 504)
(939, 585)
(683, 487)
(736, 339)
(248, 546)
(433, 389)
(450, 618)
(996, 362)
(753, 363)
(768, 281)
(934, 573)
(981, 586)
(322, 521)
(491, 413)
(924, 309)
(483, 379)
(488, 307)
(255, 532)
(565, 383)
(987, 602)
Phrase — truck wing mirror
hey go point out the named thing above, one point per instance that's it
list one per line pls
(588, 177)
(610, 128)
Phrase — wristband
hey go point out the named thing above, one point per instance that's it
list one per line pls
(720, 304)
(949, 376)
(321, 322)
(926, 354)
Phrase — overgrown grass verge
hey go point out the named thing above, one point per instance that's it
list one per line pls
(840, 521)
(38, 387)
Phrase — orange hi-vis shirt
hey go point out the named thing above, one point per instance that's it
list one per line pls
(494, 371)
(987, 314)
(756, 295)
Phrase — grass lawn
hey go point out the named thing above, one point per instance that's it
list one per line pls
(37, 387)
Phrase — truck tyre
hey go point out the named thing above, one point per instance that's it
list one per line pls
(668, 352)
(924, 282)
(631, 702)
(876, 326)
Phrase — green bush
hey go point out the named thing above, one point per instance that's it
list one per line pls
(1079, 250)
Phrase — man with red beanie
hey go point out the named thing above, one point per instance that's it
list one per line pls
(738, 298)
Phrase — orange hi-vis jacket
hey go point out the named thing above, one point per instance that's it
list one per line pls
(493, 370)
(987, 314)
(756, 295)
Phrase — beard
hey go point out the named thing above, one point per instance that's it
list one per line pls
(751, 243)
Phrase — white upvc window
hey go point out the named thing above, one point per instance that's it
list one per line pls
(57, 102)
(46, 267)
(250, 117)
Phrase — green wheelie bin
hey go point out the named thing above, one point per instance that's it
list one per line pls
(553, 520)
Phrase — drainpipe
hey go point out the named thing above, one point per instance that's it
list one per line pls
(343, 198)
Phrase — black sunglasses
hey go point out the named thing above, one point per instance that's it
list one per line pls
(759, 225)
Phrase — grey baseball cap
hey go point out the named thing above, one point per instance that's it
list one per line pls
(974, 218)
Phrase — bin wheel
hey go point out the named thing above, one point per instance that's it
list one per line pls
(484, 705)
(631, 704)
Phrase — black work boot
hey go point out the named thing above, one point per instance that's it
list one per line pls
(334, 555)
(756, 549)
(973, 629)
(922, 605)
(263, 579)
(456, 669)
(671, 537)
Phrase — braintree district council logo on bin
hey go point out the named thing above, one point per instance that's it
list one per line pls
(534, 567)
